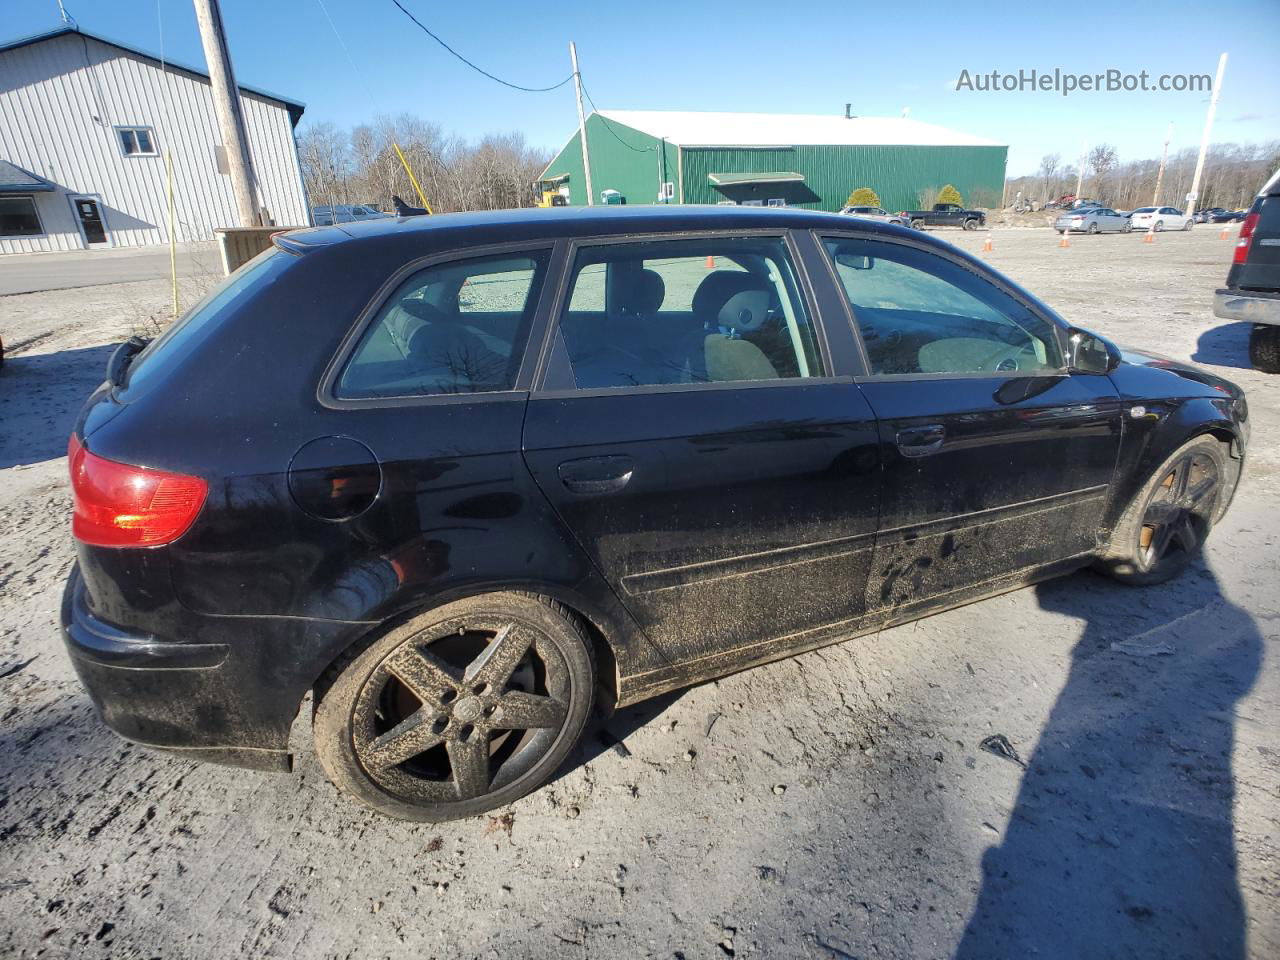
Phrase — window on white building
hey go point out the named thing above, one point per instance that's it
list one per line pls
(137, 142)
(18, 217)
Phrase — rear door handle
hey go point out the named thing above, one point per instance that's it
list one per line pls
(596, 474)
(921, 441)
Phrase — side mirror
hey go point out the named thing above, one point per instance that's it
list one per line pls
(1089, 353)
(855, 262)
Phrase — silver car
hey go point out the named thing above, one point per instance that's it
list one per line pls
(1093, 220)
(346, 213)
(875, 213)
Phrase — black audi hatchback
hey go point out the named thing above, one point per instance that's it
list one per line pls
(460, 477)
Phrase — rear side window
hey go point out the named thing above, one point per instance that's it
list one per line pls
(457, 327)
(687, 311)
(177, 343)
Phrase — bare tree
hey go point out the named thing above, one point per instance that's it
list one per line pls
(1102, 159)
(1049, 165)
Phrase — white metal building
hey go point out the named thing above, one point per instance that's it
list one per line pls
(85, 124)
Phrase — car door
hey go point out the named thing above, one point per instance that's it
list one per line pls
(1108, 220)
(689, 432)
(996, 461)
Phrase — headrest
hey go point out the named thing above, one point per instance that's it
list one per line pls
(718, 288)
(648, 294)
(422, 310)
(745, 311)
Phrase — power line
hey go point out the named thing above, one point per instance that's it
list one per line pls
(609, 126)
(480, 70)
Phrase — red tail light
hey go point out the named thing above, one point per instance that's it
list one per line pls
(119, 505)
(1241, 253)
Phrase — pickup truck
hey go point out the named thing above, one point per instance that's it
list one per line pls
(1252, 293)
(945, 215)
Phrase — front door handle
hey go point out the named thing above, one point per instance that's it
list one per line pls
(921, 441)
(596, 474)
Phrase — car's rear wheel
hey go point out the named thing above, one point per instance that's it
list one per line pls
(458, 711)
(1264, 348)
(1167, 522)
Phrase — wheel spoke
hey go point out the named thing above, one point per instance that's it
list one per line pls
(1185, 533)
(422, 673)
(518, 710)
(1160, 542)
(402, 742)
(499, 659)
(1181, 474)
(470, 761)
(1201, 492)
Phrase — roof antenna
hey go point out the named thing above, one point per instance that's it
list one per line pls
(848, 108)
(66, 17)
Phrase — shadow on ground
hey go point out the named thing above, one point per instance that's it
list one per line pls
(1225, 346)
(40, 396)
(1121, 836)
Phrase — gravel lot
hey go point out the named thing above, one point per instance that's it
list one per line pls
(838, 805)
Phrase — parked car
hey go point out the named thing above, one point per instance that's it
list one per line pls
(875, 213)
(1230, 216)
(945, 215)
(456, 475)
(1096, 220)
(1252, 293)
(1207, 215)
(1160, 218)
(346, 213)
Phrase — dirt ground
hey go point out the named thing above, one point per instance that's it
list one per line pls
(838, 805)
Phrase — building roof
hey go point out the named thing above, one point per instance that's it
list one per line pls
(697, 129)
(732, 179)
(13, 179)
(295, 107)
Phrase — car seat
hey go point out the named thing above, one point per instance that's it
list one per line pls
(730, 304)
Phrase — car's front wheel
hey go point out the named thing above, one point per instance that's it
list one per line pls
(1159, 226)
(971, 224)
(1093, 229)
(458, 711)
(1166, 524)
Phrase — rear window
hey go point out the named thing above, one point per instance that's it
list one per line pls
(194, 327)
(457, 327)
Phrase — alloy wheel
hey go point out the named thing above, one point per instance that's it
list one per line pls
(461, 710)
(1179, 511)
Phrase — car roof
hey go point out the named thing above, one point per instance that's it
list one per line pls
(513, 226)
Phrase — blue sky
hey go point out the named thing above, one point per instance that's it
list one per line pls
(792, 58)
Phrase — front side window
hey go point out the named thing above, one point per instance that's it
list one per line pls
(136, 141)
(451, 328)
(920, 313)
(687, 311)
(18, 217)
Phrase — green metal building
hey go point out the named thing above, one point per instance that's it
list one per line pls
(652, 156)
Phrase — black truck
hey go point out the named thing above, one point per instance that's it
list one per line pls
(1252, 293)
(946, 215)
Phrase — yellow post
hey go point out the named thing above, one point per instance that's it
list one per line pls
(173, 237)
(412, 179)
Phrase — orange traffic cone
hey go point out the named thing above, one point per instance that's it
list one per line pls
(988, 246)
(1225, 231)
(1064, 242)
(1151, 235)
(711, 263)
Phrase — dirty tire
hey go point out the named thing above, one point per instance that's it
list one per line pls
(458, 711)
(1264, 348)
(1167, 522)
(971, 224)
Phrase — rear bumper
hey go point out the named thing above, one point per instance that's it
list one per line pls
(229, 700)
(1248, 306)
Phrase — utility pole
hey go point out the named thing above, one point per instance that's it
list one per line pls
(1204, 139)
(226, 104)
(1164, 158)
(582, 124)
(1084, 158)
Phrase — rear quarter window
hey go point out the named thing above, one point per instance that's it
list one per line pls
(198, 324)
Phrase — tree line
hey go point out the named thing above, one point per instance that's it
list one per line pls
(360, 165)
(1233, 174)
